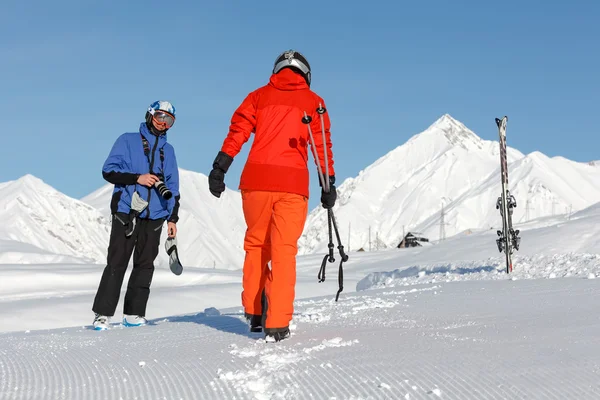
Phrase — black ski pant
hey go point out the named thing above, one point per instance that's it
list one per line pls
(143, 243)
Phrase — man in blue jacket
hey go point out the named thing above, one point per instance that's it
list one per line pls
(143, 168)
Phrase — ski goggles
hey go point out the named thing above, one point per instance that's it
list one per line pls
(163, 117)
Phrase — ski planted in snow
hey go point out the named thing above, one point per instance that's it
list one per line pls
(508, 238)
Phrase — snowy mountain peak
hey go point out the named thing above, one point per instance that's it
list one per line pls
(455, 132)
(446, 120)
(35, 213)
(402, 191)
(29, 182)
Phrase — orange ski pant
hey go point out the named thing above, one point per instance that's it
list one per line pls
(275, 221)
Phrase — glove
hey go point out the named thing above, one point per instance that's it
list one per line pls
(216, 178)
(216, 183)
(328, 199)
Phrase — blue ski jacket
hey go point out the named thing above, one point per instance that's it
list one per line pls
(127, 161)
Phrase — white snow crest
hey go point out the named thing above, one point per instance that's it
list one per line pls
(335, 342)
(524, 267)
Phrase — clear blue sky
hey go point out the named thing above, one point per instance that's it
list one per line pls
(76, 74)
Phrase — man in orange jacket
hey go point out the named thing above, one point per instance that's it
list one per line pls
(274, 185)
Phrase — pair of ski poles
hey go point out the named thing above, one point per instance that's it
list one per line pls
(325, 184)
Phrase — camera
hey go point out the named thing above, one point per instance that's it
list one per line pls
(162, 189)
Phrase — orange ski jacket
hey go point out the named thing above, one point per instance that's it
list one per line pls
(279, 154)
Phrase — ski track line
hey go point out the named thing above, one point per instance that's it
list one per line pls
(595, 377)
(316, 377)
(541, 385)
(342, 381)
(61, 371)
(428, 372)
(393, 386)
(467, 384)
(335, 376)
(76, 369)
(45, 373)
(4, 376)
(342, 377)
(480, 385)
(154, 368)
(29, 373)
(198, 375)
(332, 377)
(384, 382)
(537, 380)
(150, 380)
(182, 391)
(335, 380)
(550, 376)
(7, 384)
(303, 379)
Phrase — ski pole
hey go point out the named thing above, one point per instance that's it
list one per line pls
(321, 110)
(328, 257)
(343, 255)
(330, 216)
(307, 120)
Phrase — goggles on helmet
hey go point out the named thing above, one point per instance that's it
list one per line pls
(163, 117)
(293, 59)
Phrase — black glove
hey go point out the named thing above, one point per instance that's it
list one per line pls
(216, 177)
(328, 199)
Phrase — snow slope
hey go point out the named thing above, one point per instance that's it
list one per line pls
(210, 230)
(442, 321)
(473, 340)
(565, 248)
(448, 165)
(14, 252)
(34, 213)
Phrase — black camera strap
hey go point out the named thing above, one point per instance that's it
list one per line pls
(147, 153)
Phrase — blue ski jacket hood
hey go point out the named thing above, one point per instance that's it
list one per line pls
(127, 157)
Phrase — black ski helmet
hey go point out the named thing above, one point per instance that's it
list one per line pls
(295, 60)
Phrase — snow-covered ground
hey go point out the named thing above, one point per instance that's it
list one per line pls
(470, 340)
(442, 321)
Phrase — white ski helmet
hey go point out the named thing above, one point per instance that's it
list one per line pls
(162, 105)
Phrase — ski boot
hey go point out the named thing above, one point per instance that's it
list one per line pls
(254, 323)
(134, 320)
(100, 322)
(273, 335)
